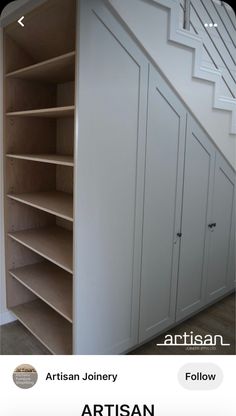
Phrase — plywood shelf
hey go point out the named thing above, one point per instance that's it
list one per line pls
(55, 112)
(50, 283)
(53, 243)
(55, 70)
(54, 202)
(46, 325)
(45, 158)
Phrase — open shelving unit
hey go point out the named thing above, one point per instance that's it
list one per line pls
(39, 102)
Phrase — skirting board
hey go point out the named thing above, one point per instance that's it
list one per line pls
(6, 318)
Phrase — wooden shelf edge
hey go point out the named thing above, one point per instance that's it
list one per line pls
(13, 310)
(30, 315)
(41, 208)
(41, 159)
(41, 254)
(40, 297)
(41, 64)
(50, 112)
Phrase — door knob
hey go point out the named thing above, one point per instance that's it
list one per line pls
(212, 225)
(179, 235)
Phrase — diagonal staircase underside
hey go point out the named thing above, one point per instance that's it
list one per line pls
(193, 41)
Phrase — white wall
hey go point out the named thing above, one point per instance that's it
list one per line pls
(149, 23)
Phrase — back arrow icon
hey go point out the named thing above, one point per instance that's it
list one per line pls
(20, 21)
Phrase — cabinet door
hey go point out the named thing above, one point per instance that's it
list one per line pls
(220, 235)
(110, 159)
(162, 207)
(198, 186)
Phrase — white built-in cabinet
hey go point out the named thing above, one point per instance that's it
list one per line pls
(150, 194)
(196, 216)
(166, 121)
(112, 102)
(221, 250)
(188, 229)
(119, 210)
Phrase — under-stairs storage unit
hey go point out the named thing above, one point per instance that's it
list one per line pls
(119, 208)
(39, 160)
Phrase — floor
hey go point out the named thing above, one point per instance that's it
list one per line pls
(218, 319)
(17, 340)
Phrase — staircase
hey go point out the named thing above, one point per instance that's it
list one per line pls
(219, 43)
(196, 42)
(217, 50)
(188, 61)
(223, 96)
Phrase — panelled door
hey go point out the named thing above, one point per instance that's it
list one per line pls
(196, 215)
(110, 155)
(221, 253)
(162, 207)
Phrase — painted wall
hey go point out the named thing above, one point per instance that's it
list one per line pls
(149, 23)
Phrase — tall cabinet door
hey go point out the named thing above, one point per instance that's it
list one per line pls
(110, 160)
(162, 207)
(221, 239)
(196, 215)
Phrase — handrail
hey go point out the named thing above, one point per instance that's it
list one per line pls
(196, 13)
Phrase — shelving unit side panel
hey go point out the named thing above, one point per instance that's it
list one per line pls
(65, 136)
(67, 225)
(65, 179)
(66, 94)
